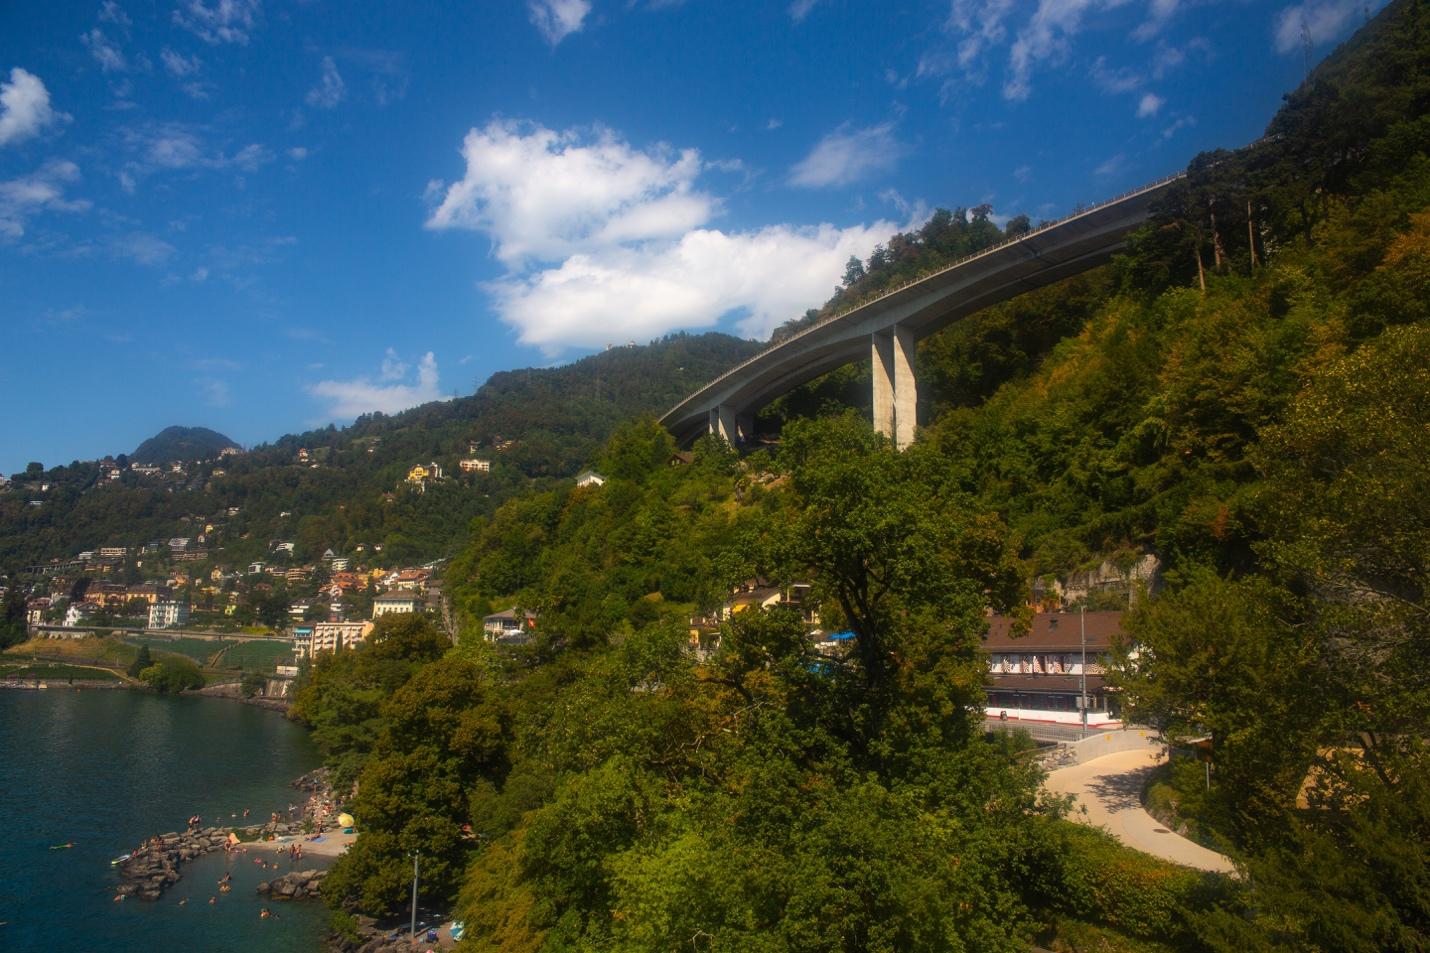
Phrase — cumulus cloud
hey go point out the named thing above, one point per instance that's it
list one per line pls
(558, 19)
(605, 242)
(329, 91)
(546, 195)
(1322, 21)
(847, 155)
(388, 395)
(1149, 105)
(25, 107)
(219, 21)
(768, 276)
(42, 190)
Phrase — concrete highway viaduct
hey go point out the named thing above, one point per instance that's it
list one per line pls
(888, 327)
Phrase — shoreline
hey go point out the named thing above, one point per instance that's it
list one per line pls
(147, 871)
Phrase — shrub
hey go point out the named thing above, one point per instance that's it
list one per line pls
(172, 675)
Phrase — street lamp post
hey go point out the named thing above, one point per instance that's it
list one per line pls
(1082, 691)
(415, 858)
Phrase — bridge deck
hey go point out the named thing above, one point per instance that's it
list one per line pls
(1057, 250)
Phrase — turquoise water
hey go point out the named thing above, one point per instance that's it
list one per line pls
(106, 769)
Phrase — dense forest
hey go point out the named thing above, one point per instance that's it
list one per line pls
(1245, 393)
(534, 425)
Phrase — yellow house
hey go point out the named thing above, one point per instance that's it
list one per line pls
(417, 474)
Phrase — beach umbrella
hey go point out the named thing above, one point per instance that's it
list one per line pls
(345, 819)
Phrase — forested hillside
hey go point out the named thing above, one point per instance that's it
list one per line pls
(181, 444)
(533, 425)
(1245, 394)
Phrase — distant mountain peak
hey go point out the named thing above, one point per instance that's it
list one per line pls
(181, 443)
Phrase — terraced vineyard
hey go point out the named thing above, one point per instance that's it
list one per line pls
(200, 650)
(258, 655)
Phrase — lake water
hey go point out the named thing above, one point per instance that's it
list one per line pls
(106, 769)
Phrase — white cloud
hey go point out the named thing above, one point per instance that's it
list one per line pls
(105, 51)
(1149, 105)
(980, 22)
(605, 242)
(558, 19)
(1114, 79)
(298, 153)
(218, 21)
(1182, 122)
(142, 248)
(362, 395)
(25, 107)
(329, 91)
(1159, 13)
(1045, 38)
(216, 392)
(1322, 21)
(1115, 165)
(174, 147)
(111, 12)
(771, 275)
(179, 65)
(846, 155)
(799, 9)
(544, 194)
(393, 368)
(41, 190)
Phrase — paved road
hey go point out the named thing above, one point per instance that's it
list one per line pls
(1110, 789)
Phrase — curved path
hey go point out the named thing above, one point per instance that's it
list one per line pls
(1109, 792)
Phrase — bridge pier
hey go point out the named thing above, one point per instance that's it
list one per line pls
(895, 388)
(725, 423)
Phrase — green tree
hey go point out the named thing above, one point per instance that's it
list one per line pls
(142, 660)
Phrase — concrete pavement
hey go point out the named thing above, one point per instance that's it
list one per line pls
(1110, 790)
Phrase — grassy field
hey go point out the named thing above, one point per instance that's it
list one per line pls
(91, 651)
(257, 656)
(53, 670)
(110, 652)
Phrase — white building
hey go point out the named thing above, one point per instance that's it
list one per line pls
(390, 603)
(320, 637)
(474, 465)
(168, 615)
(79, 612)
(590, 478)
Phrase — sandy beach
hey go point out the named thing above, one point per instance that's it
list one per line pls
(329, 844)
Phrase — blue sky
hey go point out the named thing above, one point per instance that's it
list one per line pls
(263, 216)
